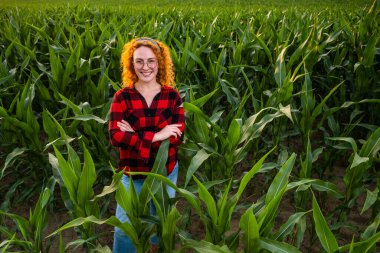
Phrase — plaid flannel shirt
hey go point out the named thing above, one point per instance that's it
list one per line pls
(137, 152)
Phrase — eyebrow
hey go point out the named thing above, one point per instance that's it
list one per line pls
(152, 58)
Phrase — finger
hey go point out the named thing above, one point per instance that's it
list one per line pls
(176, 125)
(177, 133)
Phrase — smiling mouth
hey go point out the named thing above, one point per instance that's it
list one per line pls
(146, 73)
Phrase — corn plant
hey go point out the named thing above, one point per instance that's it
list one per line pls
(76, 180)
(166, 224)
(218, 149)
(21, 143)
(361, 162)
(141, 227)
(328, 240)
(29, 236)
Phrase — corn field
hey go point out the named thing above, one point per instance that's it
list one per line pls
(282, 141)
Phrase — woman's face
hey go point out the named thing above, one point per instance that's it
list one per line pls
(145, 64)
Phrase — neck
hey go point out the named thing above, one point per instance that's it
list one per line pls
(147, 86)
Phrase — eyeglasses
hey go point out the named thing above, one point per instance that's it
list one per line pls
(151, 63)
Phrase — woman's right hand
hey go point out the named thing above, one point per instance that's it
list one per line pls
(167, 132)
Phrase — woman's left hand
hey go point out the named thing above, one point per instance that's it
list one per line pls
(125, 126)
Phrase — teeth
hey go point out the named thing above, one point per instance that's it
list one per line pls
(146, 73)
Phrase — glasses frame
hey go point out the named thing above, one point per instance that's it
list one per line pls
(150, 63)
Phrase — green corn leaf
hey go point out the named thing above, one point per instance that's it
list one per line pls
(68, 175)
(163, 198)
(88, 117)
(159, 211)
(204, 247)
(267, 216)
(30, 53)
(299, 51)
(76, 109)
(113, 221)
(201, 121)
(43, 200)
(280, 68)
(252, 129)
(223, 206)
(4, 245)
(370, 199)
(233, 135)
(208, 200)
(287, 228)
(190, 197)
(61, 244)
(49, 126)
(369, 51)
(349, 140)
(207, 184)
(15, 122)
(203, 100)
(197, 60)
(265, 47)
(277, 247)
(195, 163)
(318, 110)
(286, 110)
(22, 224)
(352, 245)
(170, 228)
(358, 160)
(86, 179)
(64, 136)
(371, 229)
(13, 241)
(372, 145)
(11, 158)
(247, 177)
(74, 160)
(307, 160)
(69, 67)
(158, 167)
(299, 183)
(326, 237)
(281, 179)
(347, 104)
(136, 207)
(248, 224)
(108, 189)
(328, 187)
(56, 67)
(121, 196)
(7, 198)
(163, 34)
(363, 246)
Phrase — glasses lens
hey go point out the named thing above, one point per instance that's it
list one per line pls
(139, 64)
(151, 63)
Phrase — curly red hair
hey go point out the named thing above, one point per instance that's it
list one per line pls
(165, 75)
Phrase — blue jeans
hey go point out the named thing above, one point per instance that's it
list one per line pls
(121, 242)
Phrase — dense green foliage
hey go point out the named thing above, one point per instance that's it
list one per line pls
(290, 92)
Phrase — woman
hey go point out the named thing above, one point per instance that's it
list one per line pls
(145, 112)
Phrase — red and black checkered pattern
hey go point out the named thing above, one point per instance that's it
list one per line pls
(137, 152)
